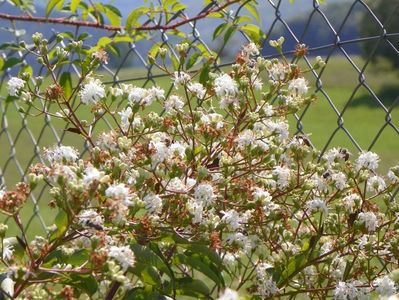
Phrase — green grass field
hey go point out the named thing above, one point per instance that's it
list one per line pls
(362, 118)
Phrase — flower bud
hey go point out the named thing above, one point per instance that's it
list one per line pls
(36, 38)
(3, 230)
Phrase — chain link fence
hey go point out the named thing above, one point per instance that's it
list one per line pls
(353, 108)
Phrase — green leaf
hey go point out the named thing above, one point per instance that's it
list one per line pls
(147, 274)
(192, 287)
(140, 293)
(204, 75)
(78, 258)
(26, 69)
(252, 9)
(1, 63)
(12, 61)
(85, 282)
(199, 264)
(53, 3)
(219, 30)
(154, 50)
(253, 31)
(104, 41)
(146, 256)
(113, 14)
(178, 6)
(134, 16)
(61, 221)
(193, 60)
(74, 5)
(66, 83)
(229, 33)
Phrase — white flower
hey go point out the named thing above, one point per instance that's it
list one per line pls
(268, 110)
(393, 178)
(153, 203)
(351, 201)
(136, 95)
(61, 153)
(8, 248)
(250, 49)
(230, 258)
(298, 86)
(173, 102)
(363, 241)
(339, 179)
(283, 175)
(345, 291)
(278, 71)
(245, 139)
(91, 175)
(229, 294)
(2, 193)
(317, 205)
(376, 183)
(204, 193)
(319, 183)
(119, 192)
(247, 243)
(160, 154)
(385, 286)
(225, 86)
(92, 92)
(280, 128)
(154, 93)
(90, 218)
(177, 149)
(261, 194)
(266, 286)
(125, 115)
(14, 85)
(180, 78)
(369, 219)
(197, 89)
(124, 255)
(256, 82)
(7, 285)
(197, 209)
(232, 218)
(368, 160)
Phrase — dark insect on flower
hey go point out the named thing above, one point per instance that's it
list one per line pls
(326, 174)
(95, 226)
(352, 218)
(214, 164)
(345, 154)
(303, 140)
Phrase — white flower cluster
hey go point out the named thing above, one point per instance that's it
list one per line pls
(61, 153)
(123, 255)
(14, 85)
(266, 286)
(92, 91)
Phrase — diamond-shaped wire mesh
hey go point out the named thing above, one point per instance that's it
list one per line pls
(22, 137)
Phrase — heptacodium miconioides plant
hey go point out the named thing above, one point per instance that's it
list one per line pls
(200, 192)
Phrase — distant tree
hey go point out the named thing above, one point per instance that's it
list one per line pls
(386, 11)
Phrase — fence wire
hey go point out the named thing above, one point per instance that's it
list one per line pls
(22, 138)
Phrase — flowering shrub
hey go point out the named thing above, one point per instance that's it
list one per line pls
(209, 197)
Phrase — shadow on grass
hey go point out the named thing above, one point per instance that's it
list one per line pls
(388, 95)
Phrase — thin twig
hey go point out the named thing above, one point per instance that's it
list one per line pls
(72, 22)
